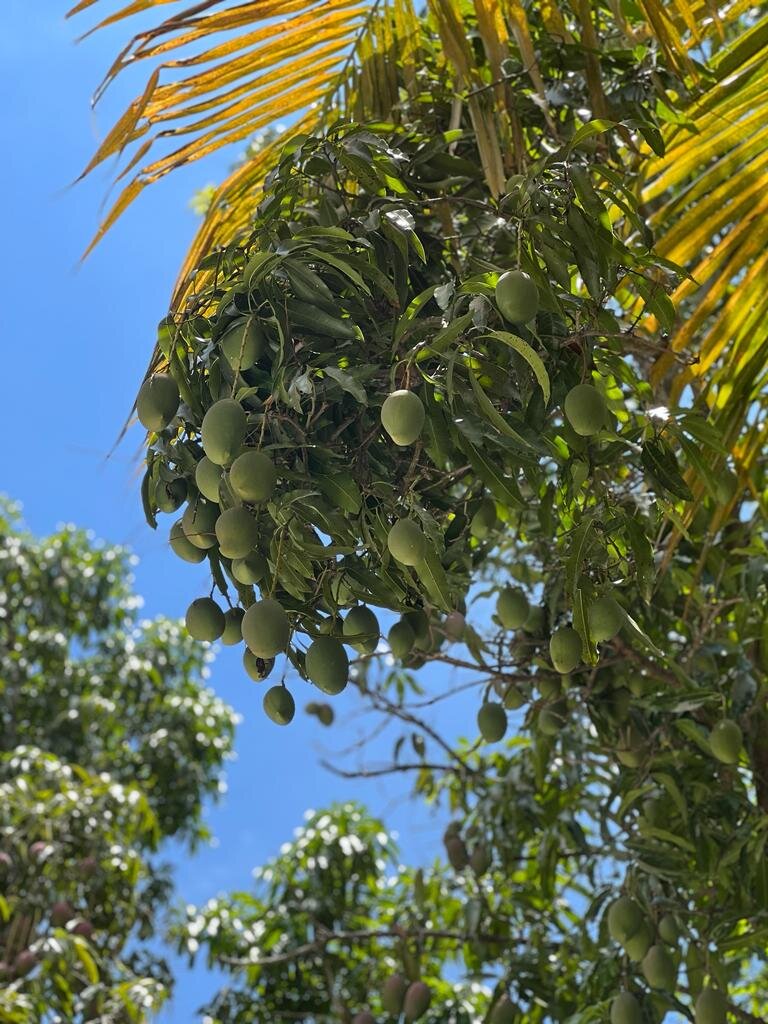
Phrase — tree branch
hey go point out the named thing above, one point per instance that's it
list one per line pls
(323, 940)
(373, 773)
(744, 1015)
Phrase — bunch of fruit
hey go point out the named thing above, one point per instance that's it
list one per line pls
(330, 441)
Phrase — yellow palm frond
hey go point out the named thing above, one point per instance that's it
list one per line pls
(274, 58)
(713, 220)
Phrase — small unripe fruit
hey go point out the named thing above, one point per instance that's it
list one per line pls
(512, 698)
(669, 930)
(361, 629)
(266, 628)
(233, 633)
(205, 620)
(517, 297)
(182, 547)
(418, 620)
(565, 649)
(585, 409)
(406, 542)
(402, 416)
(638, 686)
(625, 918)
(480, 860)
(711, 1007)
(417, 1000)
(536, 620)
(454, 625)
(251, 569)
(170, 495)
(199, 523)
(625, 1009)
(512, 608)
(24, 963)
(61, 912)
(492, 722)
(659, 969)
(456, 852)
(393, 993)
(504, 1011)
(253, 476)
(550, 687)
(279, 705)
(257, 668)
(208, 478)
(243, 344)
(606, 618)
(401, 639)
(223, 431)
(237, 532)
(157, 402)
(322, 712)
(552, 718)
(618, 704)
(327, 664)
(725, 741)
(484, 519)
(638, 944)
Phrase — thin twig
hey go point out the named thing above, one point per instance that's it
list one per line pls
(373, 773)
(323, 940)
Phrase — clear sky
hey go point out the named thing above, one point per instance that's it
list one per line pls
(75, 342)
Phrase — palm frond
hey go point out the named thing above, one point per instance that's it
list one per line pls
(275, 58)
(220, 72)
(713, 187)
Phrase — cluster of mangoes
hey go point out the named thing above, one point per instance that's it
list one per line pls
(212, 446)
(654, 946)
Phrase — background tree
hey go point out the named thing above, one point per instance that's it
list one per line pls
(110, 744)
(530, 232)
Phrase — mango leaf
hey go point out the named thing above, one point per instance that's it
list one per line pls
(502, 487)
(643, 553)
(641, 635)
(530, 356)
(445, 336)
(694, 732)
(669, 784)
(85, 958)
(595, 127)
(412, 310)
(660, 463)
(581, 625)
(342, 266)
(347, 383)
(576, 552)
(492, 414)
(342, 490)
(432, 574)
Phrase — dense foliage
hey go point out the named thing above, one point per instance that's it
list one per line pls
(450, 352)
(630, 640)
(110, 744)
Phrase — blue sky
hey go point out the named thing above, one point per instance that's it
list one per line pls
(76, 341)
